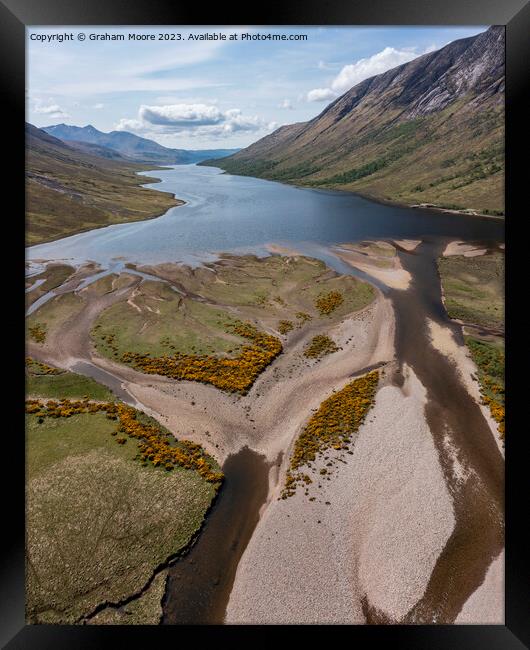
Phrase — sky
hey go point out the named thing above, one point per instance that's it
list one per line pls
(186, 92)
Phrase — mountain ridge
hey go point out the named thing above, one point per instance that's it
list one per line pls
(130, 146)
(70, 190)
(427, 131)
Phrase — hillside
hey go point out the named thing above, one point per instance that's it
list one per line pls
(69, 190)
(132, 146)
(428, 131)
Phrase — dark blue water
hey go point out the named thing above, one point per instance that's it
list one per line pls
(242, 214)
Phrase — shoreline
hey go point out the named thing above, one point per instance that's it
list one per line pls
(370, 197)
(365, 196)
(179, 202)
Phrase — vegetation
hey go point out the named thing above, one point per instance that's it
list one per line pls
(37, 368)
(328, 302)
(319, 346)
(285, 326)
(37, 332)
(44, 381)
(70, 191)
(302, 316)
(331, 427)
(474, 288)
(474, 293)
(489, 359)
(145, 610)
(353, 174)
(175, 334)
(155, 446)
(230, 374)
(98, 523)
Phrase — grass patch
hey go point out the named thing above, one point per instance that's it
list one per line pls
(66, 384)
(474, 288)
(54, 275)
(146, 610)
(97, 522)
(157, 321)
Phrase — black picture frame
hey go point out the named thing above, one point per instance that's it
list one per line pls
(515, 14)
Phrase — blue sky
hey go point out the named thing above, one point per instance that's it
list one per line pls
(209, 94)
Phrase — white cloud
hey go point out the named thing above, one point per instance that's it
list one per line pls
(193, 120)
(52, 110)
(320, 95)
(129, 125)
(181, 115)
(353, 73)
(98, 106)
(286, 104)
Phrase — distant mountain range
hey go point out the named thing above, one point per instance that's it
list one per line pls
(428, 131)
(72, 187)
(131, 147)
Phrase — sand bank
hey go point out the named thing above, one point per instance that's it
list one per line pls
(460, 248)
(388, 518)
(387, 270)
(443, 340)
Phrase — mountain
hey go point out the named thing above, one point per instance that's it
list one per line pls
(132, 147)
(98, 150)
(428, 131)
(69, 190)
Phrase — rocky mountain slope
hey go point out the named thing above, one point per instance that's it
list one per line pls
(69, 190)
(428, 131)
(131, 146)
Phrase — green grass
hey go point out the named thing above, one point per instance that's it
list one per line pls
(158, 321)
(356, 294)
(182, 325)
(474, 288)
(145, 610)
(66, 384)
(98, 523)
(54, 313)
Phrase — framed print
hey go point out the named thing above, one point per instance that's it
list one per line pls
(266, 334)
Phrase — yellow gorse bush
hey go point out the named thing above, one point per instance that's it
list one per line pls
(42, 368)
(285, 326)
(37, 332)
(235, 374)
(331, 427)
(328, 302)
(154, 446)
(319, 346)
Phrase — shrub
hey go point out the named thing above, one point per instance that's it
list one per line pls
(328, 302)
(332, 426)
(319, 346)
